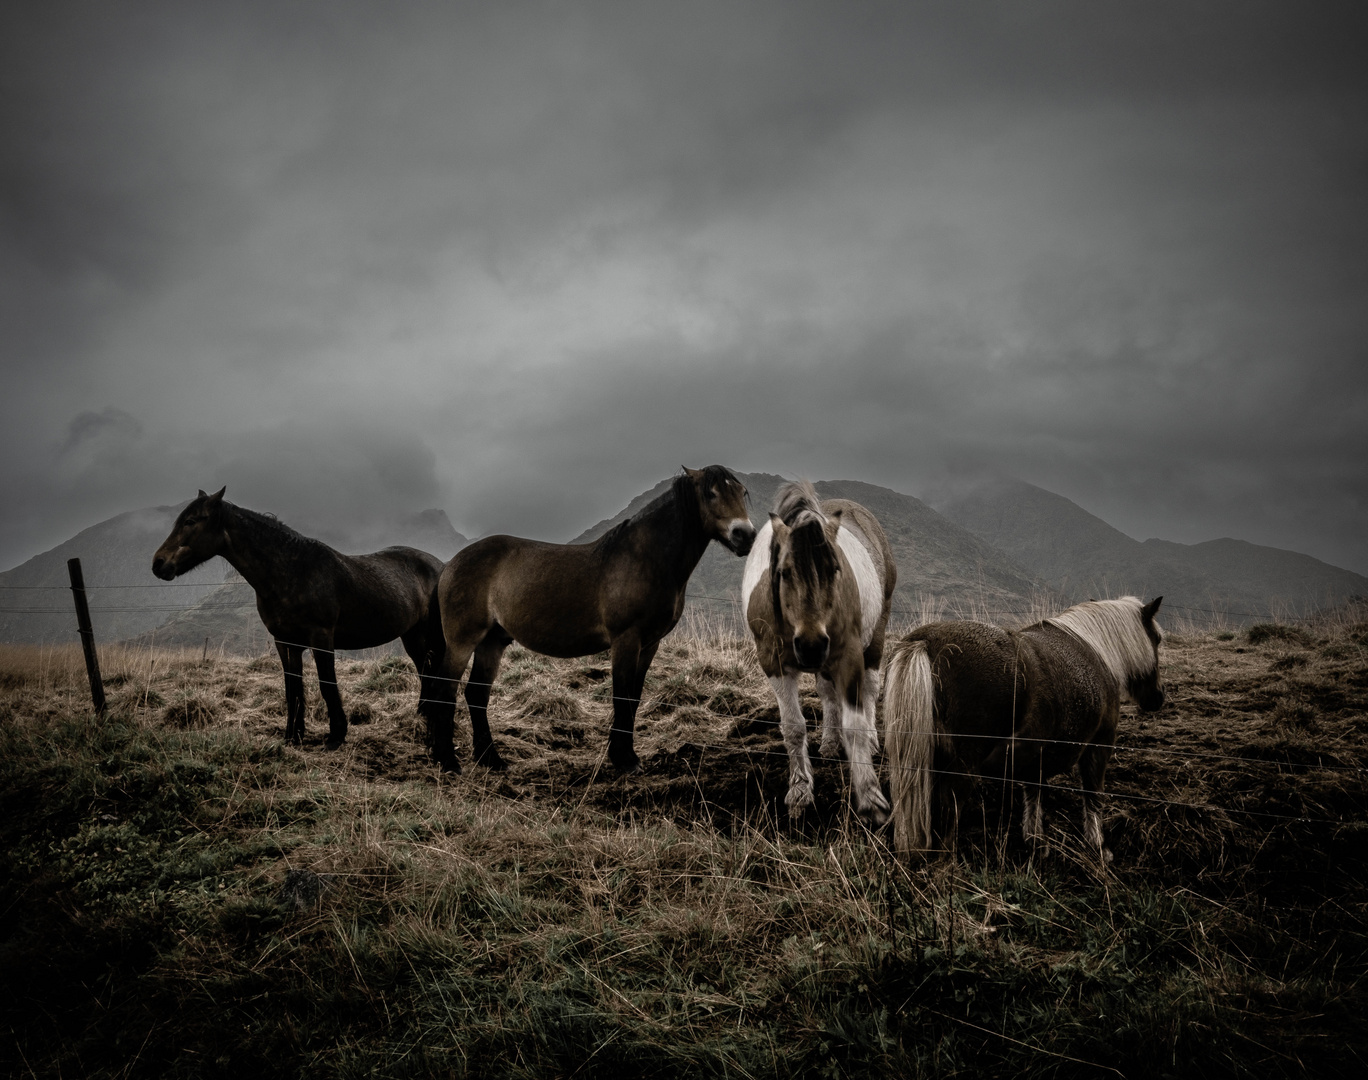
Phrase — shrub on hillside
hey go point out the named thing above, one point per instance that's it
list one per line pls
(1261, 633)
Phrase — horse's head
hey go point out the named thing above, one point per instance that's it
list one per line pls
(1146, 690)
(196, 537)
(805, 571)
(722, 507)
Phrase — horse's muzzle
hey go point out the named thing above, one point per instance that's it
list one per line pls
(811, 652)
(163, 568)
(1149, 699)
(740, 537)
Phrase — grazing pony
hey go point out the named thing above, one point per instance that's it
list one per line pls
(622, 592)
(817, 590)
(310, 596)
(965, 698)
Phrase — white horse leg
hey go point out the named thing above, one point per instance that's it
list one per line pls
(861, 739)
(831, 718)
(1033, 819)
(794, 729)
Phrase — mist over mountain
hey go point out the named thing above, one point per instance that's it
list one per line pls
(1081, 556)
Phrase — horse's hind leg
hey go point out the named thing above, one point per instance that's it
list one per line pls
(292, 662)
(488, 655)
(436, 695)
(325, 662)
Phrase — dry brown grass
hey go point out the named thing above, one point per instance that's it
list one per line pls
(680, 908)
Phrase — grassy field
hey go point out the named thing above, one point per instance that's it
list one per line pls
(182, 895)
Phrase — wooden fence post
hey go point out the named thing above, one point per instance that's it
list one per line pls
(97, 695)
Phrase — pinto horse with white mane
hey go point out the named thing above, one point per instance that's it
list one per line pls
(622, 592)
(313, 597)
(817, 588)
(965, 699)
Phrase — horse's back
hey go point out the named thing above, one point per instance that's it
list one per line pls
(980, 683)
(1074, 690)
(545, 595)
(864, 527)
(383, 595)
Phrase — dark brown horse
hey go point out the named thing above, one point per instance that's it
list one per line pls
(817, 590)
(965, 698)
(623, 592)
(310, 596)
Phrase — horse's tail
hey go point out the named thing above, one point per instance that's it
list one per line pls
(910, 739)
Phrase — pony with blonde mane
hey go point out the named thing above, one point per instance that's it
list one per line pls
(817, 589)
(967, 699)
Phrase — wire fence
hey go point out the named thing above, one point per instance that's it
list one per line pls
(732, 604)
(977, 607)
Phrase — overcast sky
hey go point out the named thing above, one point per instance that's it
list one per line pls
(522, 261)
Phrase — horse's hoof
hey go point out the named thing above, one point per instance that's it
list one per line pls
(452, 766)
(333, 743)
(626, 764)
(876, 817)
(490, 759)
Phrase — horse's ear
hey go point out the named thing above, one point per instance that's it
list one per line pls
(832, 526)
(692, 474)
(216, 497)
(201, 494)
(1149, 610)
(780, 530)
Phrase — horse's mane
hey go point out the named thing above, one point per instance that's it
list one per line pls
(1115, 631)
(277, 528)
(671, 496)
(796, 501)
(799, 507)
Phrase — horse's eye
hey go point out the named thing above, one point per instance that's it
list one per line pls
(786, 574)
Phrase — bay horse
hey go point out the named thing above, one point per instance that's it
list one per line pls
(622, 592)
(817, 589)
(311, 596)
(966, 698)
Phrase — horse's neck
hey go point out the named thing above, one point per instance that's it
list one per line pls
(677, 531)
(253, 549)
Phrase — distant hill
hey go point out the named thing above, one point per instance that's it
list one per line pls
(942, 567)
(128, 603)
(116, 562)
(1080, 555)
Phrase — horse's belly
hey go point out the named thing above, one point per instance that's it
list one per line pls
(550, 641)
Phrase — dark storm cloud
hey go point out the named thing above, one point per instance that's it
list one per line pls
(524, 260)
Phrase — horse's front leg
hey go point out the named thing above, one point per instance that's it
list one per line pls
(292, 663)
(631, 661)
(860, 737)
(325, 662)
(831, 719)
(1027, 765)
(1092, 767)
(793, 727)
